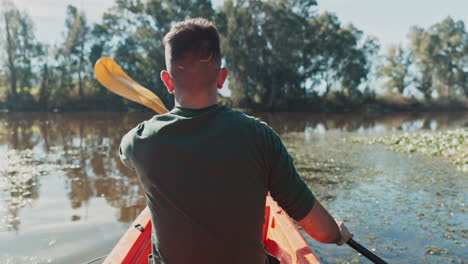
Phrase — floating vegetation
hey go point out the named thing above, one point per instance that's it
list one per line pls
(326, 174)
(362, 184)
(433, 250)
(451, 145)
(399, 205)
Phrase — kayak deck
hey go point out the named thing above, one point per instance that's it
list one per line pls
(280, 236)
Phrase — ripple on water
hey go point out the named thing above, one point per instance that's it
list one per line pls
(408, 208)
(402, 206)
(25, 259)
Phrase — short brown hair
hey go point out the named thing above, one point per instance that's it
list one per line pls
(198, 37)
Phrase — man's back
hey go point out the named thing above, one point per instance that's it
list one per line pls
(206, 174)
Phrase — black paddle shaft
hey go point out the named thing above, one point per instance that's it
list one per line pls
(365, 252)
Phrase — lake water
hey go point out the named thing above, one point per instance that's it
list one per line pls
(66, 198)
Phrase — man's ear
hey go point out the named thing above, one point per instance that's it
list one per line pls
(167, 80)
(222, 75)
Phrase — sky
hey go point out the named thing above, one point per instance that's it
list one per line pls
(388, 20)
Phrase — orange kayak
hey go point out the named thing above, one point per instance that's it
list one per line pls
(280, 236)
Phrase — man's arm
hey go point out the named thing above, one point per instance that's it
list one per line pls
(126, 150)
(321, 226)
(294, 196)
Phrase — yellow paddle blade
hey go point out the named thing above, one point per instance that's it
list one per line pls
(111, 76)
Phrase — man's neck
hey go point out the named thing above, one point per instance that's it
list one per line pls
(198, 101)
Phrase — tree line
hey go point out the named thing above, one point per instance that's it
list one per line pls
(436, 63)
(282, 54)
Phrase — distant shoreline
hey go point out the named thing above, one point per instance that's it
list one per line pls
(374, 107)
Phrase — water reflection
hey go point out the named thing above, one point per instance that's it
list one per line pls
(365, 123)
(20, 185)
(75, 155)
(82, 147)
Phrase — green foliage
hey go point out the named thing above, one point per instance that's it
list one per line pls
(280, 53)
(341, 56)
(137, 28)
(436, 61)
(21, 48)
(273, 51)
(73, 51)
(396, 69)
(441, 55)
(265, 62)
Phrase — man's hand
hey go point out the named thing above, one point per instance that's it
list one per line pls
(345, 235)
(321, 226)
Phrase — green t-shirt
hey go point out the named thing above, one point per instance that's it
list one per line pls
(206, 173)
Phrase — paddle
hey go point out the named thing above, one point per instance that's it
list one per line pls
(365, 252)
(111, 76)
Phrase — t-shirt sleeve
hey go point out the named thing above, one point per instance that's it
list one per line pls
(126, 149)
(285, 185)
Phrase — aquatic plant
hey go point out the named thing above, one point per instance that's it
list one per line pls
(451, 144)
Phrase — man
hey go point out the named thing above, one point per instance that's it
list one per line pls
(206, 169)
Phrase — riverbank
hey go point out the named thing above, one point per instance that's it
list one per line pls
(369, 105)
(113, 103)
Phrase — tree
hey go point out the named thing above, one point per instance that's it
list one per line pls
(73, 51)
(371, 50)
(396, 69)
(10, 15)
(21, 48)
(267, 64)
(340, 58)
(441, 55)
(137, 28)
(48, 78)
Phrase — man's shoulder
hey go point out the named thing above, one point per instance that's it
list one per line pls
(225, 116)
(152, 125)
(236, 115)
(245, 121)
